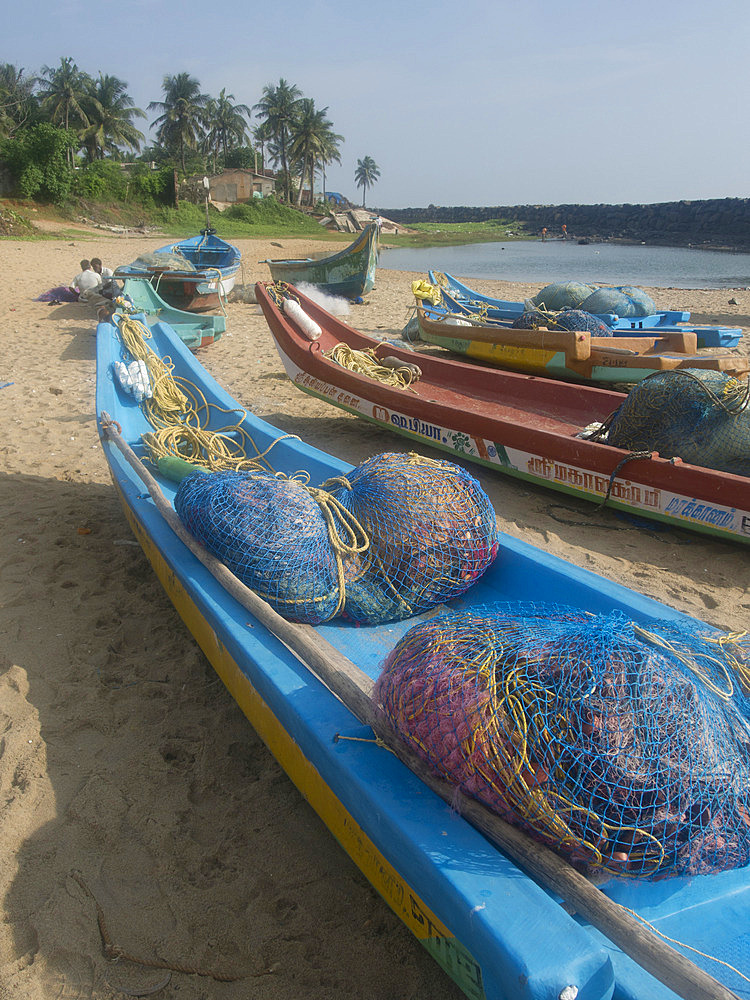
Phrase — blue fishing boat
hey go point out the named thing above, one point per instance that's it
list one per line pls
(460, 298)
(495, 929)
(194, 275)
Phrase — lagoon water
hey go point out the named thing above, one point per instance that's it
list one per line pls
(566, 260)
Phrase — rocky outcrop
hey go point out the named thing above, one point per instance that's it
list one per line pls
(720, 222)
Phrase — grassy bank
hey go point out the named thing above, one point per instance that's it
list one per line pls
(260, 219)
(436, 234)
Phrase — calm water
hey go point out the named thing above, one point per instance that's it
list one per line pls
(600, 263)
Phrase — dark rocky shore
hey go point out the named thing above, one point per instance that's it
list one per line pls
(716, 224)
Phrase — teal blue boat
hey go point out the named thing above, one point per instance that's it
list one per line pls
(194, 329)
(348, 274)
(497, 930)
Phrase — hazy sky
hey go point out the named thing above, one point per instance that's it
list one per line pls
(472, 102)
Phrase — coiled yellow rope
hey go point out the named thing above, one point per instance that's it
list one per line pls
(366, 363)
(179, 413)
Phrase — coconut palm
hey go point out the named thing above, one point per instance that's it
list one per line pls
(329, 154)
(110, 112)
(313, 140)
(278, 108)
(365, 175)
(261, 137)
(226, 124)
(180, 125)
(17, 103)
(63, 92)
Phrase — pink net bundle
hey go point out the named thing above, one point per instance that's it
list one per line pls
(624, 747)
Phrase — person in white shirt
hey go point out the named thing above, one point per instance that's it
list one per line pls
(109, 288)
(86, 282)
(103, 272)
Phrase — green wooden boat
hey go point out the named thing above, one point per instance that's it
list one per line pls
(349, 273)
(194, 329)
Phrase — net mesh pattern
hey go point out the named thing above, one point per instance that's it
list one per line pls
(398, 536)
(698, 415)
(560, 295)
(566, 319)
(624, 747)
(623, 300)
(432, 532)
(164, 260)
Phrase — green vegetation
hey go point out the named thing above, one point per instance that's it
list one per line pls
(263, 217)
(365, 175)
(435, 234)
(260, 219)
(64, 136)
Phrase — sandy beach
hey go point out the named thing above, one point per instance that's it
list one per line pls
(129, 777)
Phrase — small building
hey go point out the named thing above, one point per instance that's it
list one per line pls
(240, 185)
(227, 188)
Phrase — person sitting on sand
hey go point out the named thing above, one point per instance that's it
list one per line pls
(86, 282)
(109, 287)
(103, 272)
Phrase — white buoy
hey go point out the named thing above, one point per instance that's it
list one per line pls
(306, 323)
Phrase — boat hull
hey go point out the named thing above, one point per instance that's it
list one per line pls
(195, 330)
(492, 928)
(204, 289)
(531, 435)
(566, 354)
(348, 274)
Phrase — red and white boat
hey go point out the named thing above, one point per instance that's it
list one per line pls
(522, 425)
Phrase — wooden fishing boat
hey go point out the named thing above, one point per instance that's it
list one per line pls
(567, 354)
(194, 329)
(349, 273)
(494, 929)
(203, 284)
(517, 424)
(461, 298)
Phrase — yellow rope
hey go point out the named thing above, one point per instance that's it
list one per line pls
(180, 413)
(366, 363)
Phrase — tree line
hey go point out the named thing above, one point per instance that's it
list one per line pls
(63, 118)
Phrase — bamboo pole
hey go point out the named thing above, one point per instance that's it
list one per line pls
(354, 688)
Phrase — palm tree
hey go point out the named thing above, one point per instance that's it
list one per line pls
(278, 108)
(313, 139)
(110, 112)
(180, 124)
(365, 175)
(226, 124)
(329, 154)
(17, 104)
(63, 93)
(262, 136)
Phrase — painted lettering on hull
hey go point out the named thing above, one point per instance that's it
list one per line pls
(648, 499)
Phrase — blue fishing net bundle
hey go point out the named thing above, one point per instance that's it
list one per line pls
(271, 534)
(432, 532)
(566, 319)
(624, 746)
(698, 415)
(398, 536)
(560, 295)
(622, 300)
